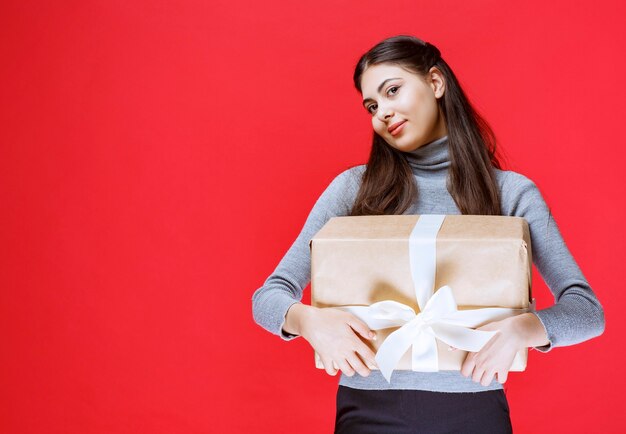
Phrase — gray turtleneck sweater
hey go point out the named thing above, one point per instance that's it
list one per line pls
(576, 316)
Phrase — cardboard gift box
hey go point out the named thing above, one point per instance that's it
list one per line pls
(470, 261)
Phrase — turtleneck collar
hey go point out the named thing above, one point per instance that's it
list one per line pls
(431, 159)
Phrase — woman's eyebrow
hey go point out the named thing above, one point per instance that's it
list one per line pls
(380, 87)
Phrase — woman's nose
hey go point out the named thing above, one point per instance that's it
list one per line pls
(384, 113)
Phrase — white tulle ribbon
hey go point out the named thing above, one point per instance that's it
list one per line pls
(438, 317)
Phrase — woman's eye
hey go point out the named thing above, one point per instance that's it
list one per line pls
(369, 109)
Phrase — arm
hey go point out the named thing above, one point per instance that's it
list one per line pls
(283, 288)
(277, 306)
(577, 315)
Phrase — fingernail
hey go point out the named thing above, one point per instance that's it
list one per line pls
(374, 336)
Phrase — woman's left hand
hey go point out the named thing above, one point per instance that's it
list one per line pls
(496, 357)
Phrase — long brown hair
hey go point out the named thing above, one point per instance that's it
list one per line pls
(388, 185)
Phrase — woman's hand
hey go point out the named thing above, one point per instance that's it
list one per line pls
(496, 357)
(331, 332)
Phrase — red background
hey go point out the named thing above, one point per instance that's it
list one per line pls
(159, 158)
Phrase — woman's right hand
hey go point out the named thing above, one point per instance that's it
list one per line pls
(332, 333)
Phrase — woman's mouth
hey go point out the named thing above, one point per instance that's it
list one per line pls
(398, 129)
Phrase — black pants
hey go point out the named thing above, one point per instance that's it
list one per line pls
(419, 411)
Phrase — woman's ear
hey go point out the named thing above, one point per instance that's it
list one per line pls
(437, 82)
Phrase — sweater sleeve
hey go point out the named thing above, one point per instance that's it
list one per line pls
(576, 314)
(285, 285)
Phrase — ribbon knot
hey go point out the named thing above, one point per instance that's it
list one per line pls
(425, 318)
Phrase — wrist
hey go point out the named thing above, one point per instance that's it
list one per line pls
(531, 330)
(294, 318)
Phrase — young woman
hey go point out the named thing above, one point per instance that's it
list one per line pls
(431, 154)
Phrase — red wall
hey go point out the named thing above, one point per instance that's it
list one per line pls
(158, 158)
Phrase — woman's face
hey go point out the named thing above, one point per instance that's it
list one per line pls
(394, 96)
